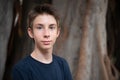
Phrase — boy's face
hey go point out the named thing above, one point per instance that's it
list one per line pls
(44, 32)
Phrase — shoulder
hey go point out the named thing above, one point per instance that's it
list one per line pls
(64, 67)
(61, 61)
(22, 64)
(20, 71)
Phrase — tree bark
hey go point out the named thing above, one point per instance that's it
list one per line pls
(93, 44)
(82, 41)
(6, 8)
(19, 44)
(84, 28)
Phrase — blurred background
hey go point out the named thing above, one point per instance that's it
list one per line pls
(89, 39)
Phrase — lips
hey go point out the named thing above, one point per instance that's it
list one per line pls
(46, 42)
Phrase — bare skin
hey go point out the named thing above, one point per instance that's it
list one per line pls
(44, 32)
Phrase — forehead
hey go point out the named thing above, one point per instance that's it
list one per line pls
(44, 18)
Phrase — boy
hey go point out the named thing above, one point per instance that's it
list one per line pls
(41, 64)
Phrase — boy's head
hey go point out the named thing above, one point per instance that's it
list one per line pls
(40, 10)
(43, 26)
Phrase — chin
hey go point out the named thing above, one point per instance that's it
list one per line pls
(47, 47)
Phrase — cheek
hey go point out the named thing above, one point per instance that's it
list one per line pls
(37, 35)
(55, 34)
(55, 37)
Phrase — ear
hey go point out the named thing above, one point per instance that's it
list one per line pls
(30, 32)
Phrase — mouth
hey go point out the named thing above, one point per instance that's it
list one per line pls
(46, 42)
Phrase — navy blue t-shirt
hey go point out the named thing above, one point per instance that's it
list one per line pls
(31, 69)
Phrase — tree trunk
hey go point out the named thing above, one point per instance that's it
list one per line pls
(19, 43)
(93, 44)
(82, 41)
(6, 16)
(84, 29)
(113, 31)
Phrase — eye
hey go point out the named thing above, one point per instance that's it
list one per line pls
(39, 27)
(52, 26)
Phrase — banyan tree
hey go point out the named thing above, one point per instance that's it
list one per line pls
(89, 38)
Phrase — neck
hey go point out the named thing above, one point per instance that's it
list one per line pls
(44, 56)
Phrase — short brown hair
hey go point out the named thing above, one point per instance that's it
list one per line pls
(41, 9)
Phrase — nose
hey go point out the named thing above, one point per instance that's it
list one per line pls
(46, 33)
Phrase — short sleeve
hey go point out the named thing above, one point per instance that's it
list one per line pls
(19, 74)
(67, 71)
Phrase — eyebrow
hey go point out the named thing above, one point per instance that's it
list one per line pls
(39, 24)
(53, 25)
(43, 25)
